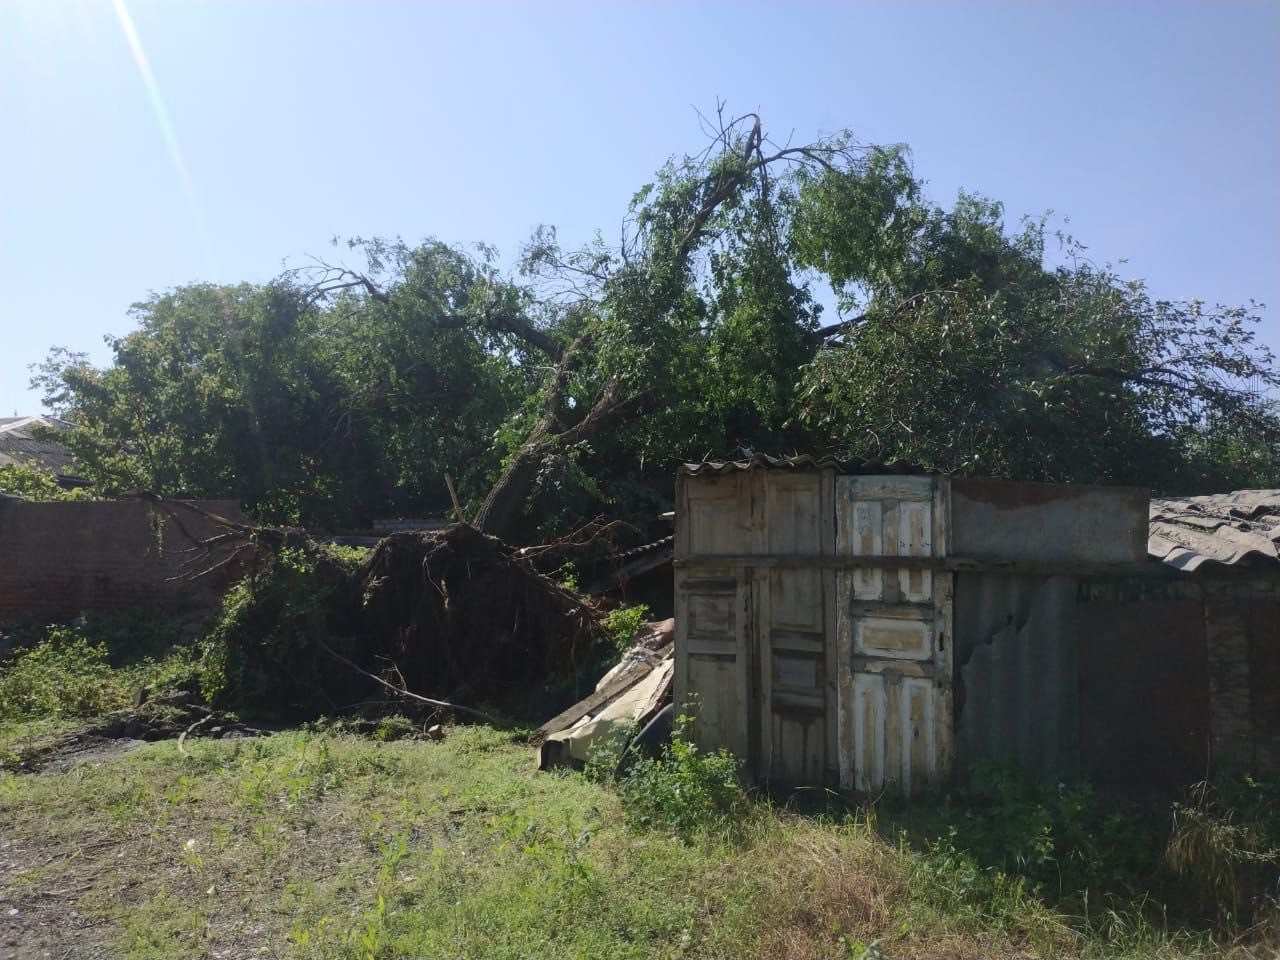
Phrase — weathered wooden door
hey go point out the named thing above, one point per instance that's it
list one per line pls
(894, 636)
(714, 656)
(794, 632)
(755, 632)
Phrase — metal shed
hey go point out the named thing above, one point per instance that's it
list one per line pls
(873, 628)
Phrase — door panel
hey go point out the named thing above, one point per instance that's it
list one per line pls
(713, 604)
(892, 637)
(893, 628)
(793, 615)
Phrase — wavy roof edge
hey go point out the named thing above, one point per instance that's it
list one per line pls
(762, 461)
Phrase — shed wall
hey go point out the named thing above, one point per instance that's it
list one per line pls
(1016, 668)
(1144, 694)
(1211, 643)
(755, 642)
(1048, 522)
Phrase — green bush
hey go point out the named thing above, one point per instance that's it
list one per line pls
(622, 625)
(62, 675)
(1212, 859)
(1225, 844)
(93, 664)
(1057, 836)
(685, 790)
(262, 645)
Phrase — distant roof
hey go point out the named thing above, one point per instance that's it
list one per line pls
(19, 445)
(1242, 527)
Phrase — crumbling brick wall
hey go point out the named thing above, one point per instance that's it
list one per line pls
(62, 558)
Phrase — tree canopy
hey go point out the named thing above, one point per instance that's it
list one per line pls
(347, 390)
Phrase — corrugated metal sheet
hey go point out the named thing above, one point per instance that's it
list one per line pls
(762, 461)
(1015, 650)
(1242, 527)
(1144, 694)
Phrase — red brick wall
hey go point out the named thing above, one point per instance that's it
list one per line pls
(62, 558)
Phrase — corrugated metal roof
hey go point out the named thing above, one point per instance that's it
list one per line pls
(762, 461)
(1242, 527)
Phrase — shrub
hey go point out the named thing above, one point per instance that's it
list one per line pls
(62, 675)
(685, 790)
(263, 642)
(622, 625)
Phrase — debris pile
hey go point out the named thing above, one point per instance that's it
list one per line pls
(628, 696)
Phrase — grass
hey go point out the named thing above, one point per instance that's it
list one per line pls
(321, 844)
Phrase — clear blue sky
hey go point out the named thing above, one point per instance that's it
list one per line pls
(1154, 127)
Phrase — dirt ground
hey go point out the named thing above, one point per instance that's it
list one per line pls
(42, 923)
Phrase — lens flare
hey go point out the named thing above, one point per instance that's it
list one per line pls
(162, 118)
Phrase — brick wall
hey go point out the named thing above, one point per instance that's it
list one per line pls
(62, 558)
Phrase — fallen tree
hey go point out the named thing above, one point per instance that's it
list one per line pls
(456, 621)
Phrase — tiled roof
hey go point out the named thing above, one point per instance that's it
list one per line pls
(1242, 527)
(20, 445)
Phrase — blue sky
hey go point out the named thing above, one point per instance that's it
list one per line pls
(1154, 127)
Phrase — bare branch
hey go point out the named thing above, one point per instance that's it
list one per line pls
(401, 691)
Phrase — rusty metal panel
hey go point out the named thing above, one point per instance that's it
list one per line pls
(1016, 664)
(1144, 694)
(1068, 523)
(893, 628)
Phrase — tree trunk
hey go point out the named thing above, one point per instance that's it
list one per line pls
(499, 515)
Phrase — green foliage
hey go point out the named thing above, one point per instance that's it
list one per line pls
(605, 754)
(394, 728)
(31, 483)
(1213, 858)
(623, 623)
(91, 666)
(334, 395)
(1057, 837)
(323, 415)
(263, 644)
(685, 790)
(63, 675)
(349, 557)
(975, 357)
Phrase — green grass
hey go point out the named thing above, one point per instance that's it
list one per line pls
(315, 844)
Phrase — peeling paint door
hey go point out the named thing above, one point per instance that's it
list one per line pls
(894, 636)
